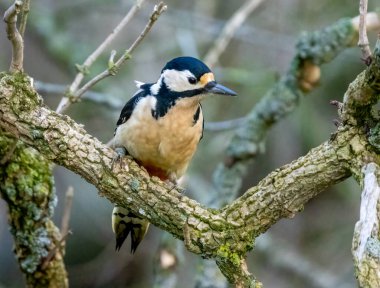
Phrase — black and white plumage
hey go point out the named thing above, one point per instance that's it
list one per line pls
(160, 127)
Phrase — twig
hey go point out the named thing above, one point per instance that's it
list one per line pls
(224, 125)
(24, 17)
(158, 10)
(92, 58)
(65, 232)
(363, 38)
(10, 18)
(283, 257)
(372, 21)
(229, 29)
(65, 101)
(54, 251)
(116, 103)
(67, 211)
(76, 93)
(168, 259)
(102, 98)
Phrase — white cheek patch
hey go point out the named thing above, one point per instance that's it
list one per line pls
(179, 80)
(156, 87)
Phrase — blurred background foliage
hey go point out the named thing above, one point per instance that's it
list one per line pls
(62, 33)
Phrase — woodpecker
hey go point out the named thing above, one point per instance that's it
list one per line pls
(160, 127)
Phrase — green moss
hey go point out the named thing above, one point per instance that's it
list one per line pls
(3, 74)
(20, 83)
(225, 252)
(26, 184)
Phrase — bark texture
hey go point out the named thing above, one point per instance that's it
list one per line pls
(26, 184)
(226, 234)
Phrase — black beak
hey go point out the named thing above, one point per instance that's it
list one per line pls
(215, 88)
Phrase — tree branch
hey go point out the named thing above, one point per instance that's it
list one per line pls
(26, 185)
(65, 101)
(212, 233)
(169, 257)
(313, 49)
(366, 241)
(24, 17)
(67, 213)
(225, 234)
(229, 29)
(75, 94)
(10, 18)
(363, 38)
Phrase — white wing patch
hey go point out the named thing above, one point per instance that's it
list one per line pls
(139, 83)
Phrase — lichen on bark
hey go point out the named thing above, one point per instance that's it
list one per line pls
(27, 186)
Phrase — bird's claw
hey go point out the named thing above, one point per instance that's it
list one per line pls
(174, 185)
(120, 153)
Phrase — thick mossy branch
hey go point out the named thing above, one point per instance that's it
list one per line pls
(357, 109)
(26, 184)
(236, 271)
(312, 50)
(205, 231)
(362, 95)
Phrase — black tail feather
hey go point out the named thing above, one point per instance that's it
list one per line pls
(135, 237)
(121, 236)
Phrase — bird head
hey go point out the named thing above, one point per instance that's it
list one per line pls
(187, 77)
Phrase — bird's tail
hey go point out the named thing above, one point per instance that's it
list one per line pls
(125, 222)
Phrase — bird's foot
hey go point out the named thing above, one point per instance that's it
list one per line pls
(174, 184)
(120, 153)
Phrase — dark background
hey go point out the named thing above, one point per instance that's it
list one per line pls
(62, 33)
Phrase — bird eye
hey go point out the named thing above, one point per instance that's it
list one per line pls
(192, 80)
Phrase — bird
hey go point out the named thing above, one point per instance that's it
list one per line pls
(160, 127)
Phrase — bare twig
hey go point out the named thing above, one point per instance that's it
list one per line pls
(363, 38)
(65, 232)
(92, 58)
(10, 18)
(116, 103)
(54, 251)
(76, 93)
(97, 97)
(158, 10)
(283, 257)
(67, 211)
(24, 17)
(65, 102)
(229, 29)
(224, 125)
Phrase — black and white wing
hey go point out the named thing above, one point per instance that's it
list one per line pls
(126, 112)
